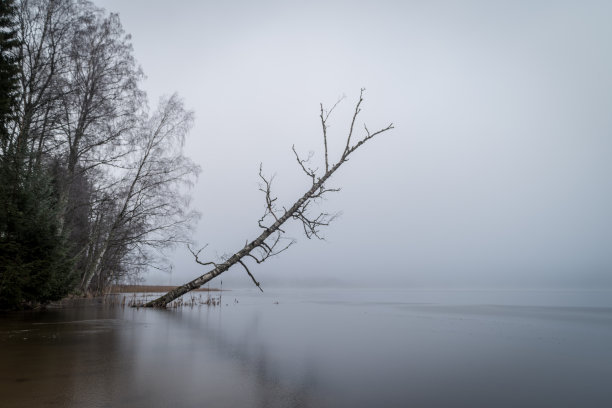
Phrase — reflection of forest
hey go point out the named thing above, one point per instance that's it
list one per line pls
(59, 357)
(109, 356)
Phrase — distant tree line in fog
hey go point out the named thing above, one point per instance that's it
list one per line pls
(92, 182)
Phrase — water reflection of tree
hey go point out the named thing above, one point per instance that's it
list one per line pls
(273, 385)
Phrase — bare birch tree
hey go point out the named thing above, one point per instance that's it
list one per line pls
(99, 91)
(148, 210)
(271, 241)
(44, 34)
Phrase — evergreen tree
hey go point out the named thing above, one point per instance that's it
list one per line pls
(8, 67)
(34, 263)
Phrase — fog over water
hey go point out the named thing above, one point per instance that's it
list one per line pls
(498, 171)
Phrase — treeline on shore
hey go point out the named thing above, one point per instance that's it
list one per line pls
(92, 181)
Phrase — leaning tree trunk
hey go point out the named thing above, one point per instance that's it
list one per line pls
(298, 211)
(236, 258)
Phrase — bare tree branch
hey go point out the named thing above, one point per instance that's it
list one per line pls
(251, 275)
(357, 110)
(308, 171)
(196, 256)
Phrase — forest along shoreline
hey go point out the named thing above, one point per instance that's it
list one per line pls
(95, 184)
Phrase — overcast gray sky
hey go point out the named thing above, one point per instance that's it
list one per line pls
(498, 171)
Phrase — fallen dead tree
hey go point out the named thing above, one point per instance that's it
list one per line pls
(271, 241)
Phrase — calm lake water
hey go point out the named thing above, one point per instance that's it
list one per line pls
(317, 348)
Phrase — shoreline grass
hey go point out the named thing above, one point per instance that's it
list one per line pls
(152, 289)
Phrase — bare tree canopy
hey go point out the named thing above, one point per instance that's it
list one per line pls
(142, 210)
(271, 241)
